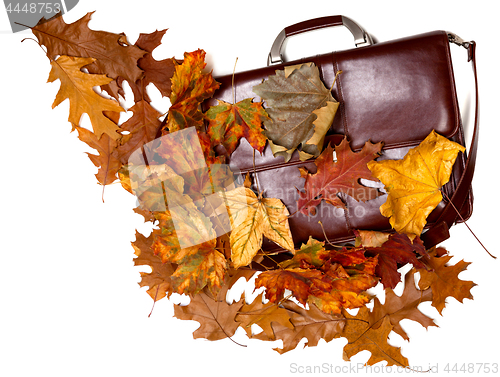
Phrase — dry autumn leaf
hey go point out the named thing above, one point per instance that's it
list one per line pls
(77, 86)
(313, 253)
(190, 87)
(397, 250)
(215, 315)
(227, 123)
(330, 288)
(362, 336)
(397, 308)
(263, 315)
(156, 72)
(142, 127)
(312, 324)
(301, 110)
(252, 218)
(111, 53)
(158, 280)
(106, 161)
(443, 279)
(414, 184)
(339, 177)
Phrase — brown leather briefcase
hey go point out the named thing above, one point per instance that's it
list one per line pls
(396, 92)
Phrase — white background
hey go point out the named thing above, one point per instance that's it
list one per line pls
(69, 300)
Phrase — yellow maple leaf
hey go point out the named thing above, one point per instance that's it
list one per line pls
(77, 86)
(252, 218)
(414, 183)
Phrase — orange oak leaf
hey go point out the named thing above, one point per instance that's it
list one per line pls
(312, 324)
(331, 289)
(362, 336)
(414, 183)
(397, 308)
(77, 86)
(159, 279)
(443, 279)
(190, 87)
(112, 54)
(263, 315)
(397, 250)
(215, 315)
(107, 160)
(340, 176)
(227, 123)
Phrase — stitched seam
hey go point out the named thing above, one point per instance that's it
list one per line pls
(340, 95)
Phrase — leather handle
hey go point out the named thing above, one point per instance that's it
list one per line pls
(361, 38)
(440, 231)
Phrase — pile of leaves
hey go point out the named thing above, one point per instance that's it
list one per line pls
(209, 225)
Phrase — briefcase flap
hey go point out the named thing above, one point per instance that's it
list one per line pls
(396, 91)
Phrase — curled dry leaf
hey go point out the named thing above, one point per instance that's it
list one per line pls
(301, 110)
(414, 184)
(190, 87)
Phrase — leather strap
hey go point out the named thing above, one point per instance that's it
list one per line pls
(440, 231)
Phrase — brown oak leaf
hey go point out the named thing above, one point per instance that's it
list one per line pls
(156, 72)
(111, 52)
(263, 315)
(142, 127)
(339, 177)
(312, 324)
(215, 315)
(362, 336)
(402, 307)
(106, 161)
(443, 279)
(159, 279)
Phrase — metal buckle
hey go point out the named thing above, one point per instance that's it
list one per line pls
(452, 37)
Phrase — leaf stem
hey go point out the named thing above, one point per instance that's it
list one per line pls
(463, 220)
